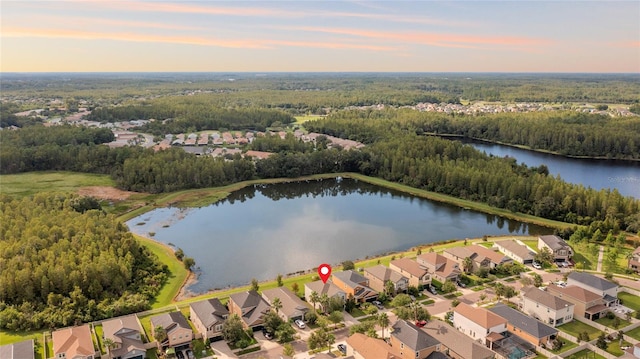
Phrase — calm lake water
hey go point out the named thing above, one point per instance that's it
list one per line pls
(597, 174)
(261, 231)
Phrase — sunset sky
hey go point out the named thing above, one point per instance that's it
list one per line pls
(292, 36)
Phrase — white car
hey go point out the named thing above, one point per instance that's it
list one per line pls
(536, 265)
(300, 324)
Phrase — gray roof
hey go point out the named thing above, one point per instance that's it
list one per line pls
(19, 350)
(437, 355)
(458, 343)
(516, 248)
(321, 288)
(554, 242)
(525, 323)
(253, 306)
(170, 321)
(351, 278)
(412, 336)
(592, 281)
(385, 273)
(210, 311)
(292, 305)
(545, 298)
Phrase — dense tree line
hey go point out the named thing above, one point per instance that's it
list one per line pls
(63, 263)
(273, 143)
(57, 135)
(567, 133)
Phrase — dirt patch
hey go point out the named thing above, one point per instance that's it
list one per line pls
(102, 192)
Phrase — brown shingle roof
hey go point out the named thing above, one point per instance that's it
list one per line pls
(384, 273)
(547, 299)
(495, 257)
(410, 266)
(575, 292)
(371, 348)
(479, 315)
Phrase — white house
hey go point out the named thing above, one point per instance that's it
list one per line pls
(477, 323)
(608, 290)
(546, 307)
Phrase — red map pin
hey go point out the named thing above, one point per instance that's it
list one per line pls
(324, 271)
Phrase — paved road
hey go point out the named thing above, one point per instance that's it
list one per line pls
(600, 256)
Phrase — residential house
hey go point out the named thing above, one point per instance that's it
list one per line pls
(250, 307)
(259, 155)
(561, 251)
(379, 275)
(546, 307)
(529, 329)
(439, 267)
(480, 256)
(608, 290)
(328, 288)
(292, 306)
(417, 275)
(208, 316)
(634, 260)
(20, 350)
(353, 283)
(516, 251)
(179, 333)
(364, 347)
(455, 344)
(477, 322)
(587, 304)
(124, 332)
(411, 341)
(73, 343)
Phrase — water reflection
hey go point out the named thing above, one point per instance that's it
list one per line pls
(261, 231)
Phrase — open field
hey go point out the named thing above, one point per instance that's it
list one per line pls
(26, 184)
(302, 119)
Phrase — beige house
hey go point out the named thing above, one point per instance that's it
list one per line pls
(411, 341)
(179, 333)
(561, 251)
(607, 290)
(379, 275)
(73, 343)
(292, 306)
(208, 316)
(439, 267)
(546, 307)
(364, 347)
(321, 288)
(250, 307)
(516, 251)
(455, 344)
(477, 323)
(353, 283)
(480, 256)
(587, 304)
(417, 275)
(125, 334)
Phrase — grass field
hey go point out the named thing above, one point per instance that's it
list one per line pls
(9, 337)
(609, 323)
(585, 354)
(567, 346)
(614, 347)
(575, 328)
(635, 333)
(302, 119)
(26, 184)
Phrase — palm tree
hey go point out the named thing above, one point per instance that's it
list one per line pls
(324, 300)
(160, 335)
(414, 306)
(383, 321)
(389, 288)
(276, 304)
(467, 265)
(109, 344)
(314, 298)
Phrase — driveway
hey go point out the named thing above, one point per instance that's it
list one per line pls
(222, 350)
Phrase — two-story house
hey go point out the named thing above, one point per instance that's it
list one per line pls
(411, 341)
(634, 260)
(208, 316)
(455, 344)
(250, 307)
(439, 267)
(292, 306)
(525, 327)
(608, 290)
(477, 323)
(73, 343)
(480, 256)
(19, 350)
(516, 251)
(352, 283)
(178, 332)
(417, 274)
(124, 332)
(361, 346)
(587, 304)
(379, 275)
(546, 307)
(560, 250)
(319, 287)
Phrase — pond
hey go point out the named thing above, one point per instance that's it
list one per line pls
(266, 230)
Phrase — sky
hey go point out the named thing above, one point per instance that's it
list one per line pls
(320, 36)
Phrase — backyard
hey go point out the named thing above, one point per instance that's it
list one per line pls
(630, 300)
(585, 354)
(575, 328)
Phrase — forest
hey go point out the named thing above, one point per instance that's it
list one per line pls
(64, 262)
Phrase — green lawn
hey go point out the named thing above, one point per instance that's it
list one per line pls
(585, 354)
(575, 327)
(99, 336)
(531, 243)
(26, 184)
(614, 347)
(630, 300)
(49, 352)
(568, 344)
(635, 333)
(609, 322)
(9, 337)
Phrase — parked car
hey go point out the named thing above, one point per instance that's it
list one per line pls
(462, 285)
(432, 289)
(565, 264)
(179, 355)
(190, 354)
(342, 348)
(378, 304)
(266, 334)
(536, 265)
(421, 323)
(300, 324)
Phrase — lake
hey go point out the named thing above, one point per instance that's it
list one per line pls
(266, 230)
(598, 174)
